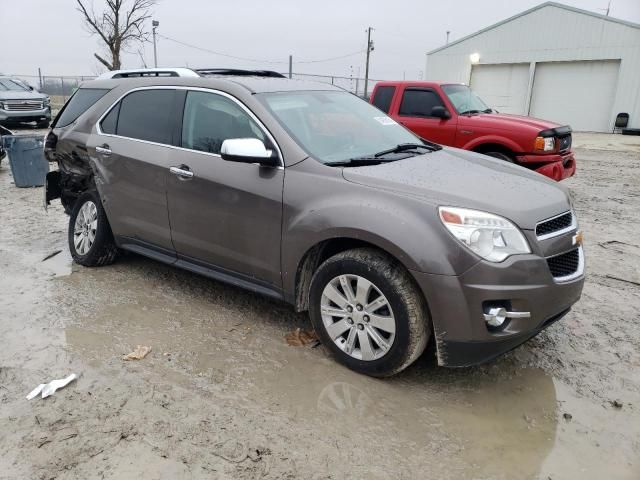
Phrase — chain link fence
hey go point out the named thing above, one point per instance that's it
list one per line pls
(61, 87)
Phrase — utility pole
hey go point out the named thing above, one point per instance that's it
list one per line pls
(448, 32)
(366, 68)
(290, 66)
(155, 24)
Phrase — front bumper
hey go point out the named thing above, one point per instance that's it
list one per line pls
(555, 166)
(25, 116)
(457, 305)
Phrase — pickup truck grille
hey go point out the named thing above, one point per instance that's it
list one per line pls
(564, 265)
(22, 105)
(552, 226)
(565, 143)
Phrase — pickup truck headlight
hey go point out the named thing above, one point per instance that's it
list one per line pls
(545, 144)
(491, 237)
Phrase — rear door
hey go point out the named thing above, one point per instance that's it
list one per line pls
(224, 215)
(131, 151)
(415, 114)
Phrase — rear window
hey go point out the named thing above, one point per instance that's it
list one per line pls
(80, 102)
(382, 98)
(146, 115)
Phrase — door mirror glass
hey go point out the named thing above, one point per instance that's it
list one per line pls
(247, 150)
(440, 112)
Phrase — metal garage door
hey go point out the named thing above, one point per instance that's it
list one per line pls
(579, 94)
(503, 87)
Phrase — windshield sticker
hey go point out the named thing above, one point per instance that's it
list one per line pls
(385, 120)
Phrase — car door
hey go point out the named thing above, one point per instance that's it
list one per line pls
(415, 114)
(224, 215)
(131, 153)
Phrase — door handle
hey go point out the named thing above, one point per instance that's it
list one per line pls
(104, 150)
(182, 171)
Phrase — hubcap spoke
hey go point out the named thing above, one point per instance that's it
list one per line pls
(333, 312)
(362, 290)
(346, 287)
(332, 293)
(351, 341)
(338, 328)
(385, 323)
(366, 349)
(376, 337)
(378, 303)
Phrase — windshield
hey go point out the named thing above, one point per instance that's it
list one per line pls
(335, 126)
(8, 84)
(464, 99)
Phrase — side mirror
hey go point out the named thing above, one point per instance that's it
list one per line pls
(248, 150)
(440, 112)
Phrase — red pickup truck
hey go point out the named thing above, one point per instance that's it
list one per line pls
(454, 115)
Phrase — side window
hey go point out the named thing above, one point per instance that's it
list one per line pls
(109, 123)
(383, 97)
(210, 119)
(146, 115)
(418, 103)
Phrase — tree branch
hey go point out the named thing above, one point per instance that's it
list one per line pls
(103, 61)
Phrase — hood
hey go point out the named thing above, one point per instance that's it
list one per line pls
(508, 121)
(17, 95)
(460, 178)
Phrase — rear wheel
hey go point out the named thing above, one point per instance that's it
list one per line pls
(90, 239)
(368, 312)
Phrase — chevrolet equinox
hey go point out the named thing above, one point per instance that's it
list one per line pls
(303, 192)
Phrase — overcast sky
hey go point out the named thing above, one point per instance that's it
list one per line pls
(49, 33)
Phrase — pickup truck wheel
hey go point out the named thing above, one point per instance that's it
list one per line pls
(43, 124)
(501, 156)
(90, 239)
(368, 312)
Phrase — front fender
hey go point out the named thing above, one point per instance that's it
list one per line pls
(323, 207)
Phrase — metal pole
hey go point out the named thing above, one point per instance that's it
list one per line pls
(448, 32)
(155, 25)
(64, 97)
(366, 71)
(290, 66)
(40, 78)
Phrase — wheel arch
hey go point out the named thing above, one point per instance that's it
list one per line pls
(493, 144)
(325, 249)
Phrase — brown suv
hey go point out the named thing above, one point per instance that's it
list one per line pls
(308, 194)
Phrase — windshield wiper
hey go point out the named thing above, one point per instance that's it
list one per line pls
(487, 110)
(470, 112)
(406, 147)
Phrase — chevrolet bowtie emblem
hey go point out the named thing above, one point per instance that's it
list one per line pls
(577, 238)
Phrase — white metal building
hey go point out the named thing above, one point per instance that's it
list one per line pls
(554, 62)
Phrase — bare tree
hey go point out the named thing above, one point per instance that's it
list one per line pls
(121, 24)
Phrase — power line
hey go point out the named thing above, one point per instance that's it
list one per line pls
(214, 52)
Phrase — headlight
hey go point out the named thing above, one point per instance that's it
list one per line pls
(491, 237)
(545, 144)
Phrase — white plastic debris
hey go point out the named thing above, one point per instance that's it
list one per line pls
(49, 388)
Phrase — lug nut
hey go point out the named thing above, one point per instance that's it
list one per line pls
(360, 326)
(350, 321)
(359, 307)
(366, 318)
(349, 309)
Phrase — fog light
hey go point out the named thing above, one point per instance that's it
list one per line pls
(496, 316)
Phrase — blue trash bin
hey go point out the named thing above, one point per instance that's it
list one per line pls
(26, 158)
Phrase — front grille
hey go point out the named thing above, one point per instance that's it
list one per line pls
(23, 105)
(554, 224)
(565, 143)
(565, 264)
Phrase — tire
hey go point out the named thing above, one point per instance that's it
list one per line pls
(501, 156)
(102, 250)
(405, 306)
(44, 124)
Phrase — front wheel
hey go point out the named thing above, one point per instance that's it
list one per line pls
(368, 312)
(90, 239)
(501, 156)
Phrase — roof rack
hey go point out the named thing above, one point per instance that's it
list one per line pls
(238, 72)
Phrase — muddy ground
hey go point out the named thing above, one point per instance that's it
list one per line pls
(222, 395)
